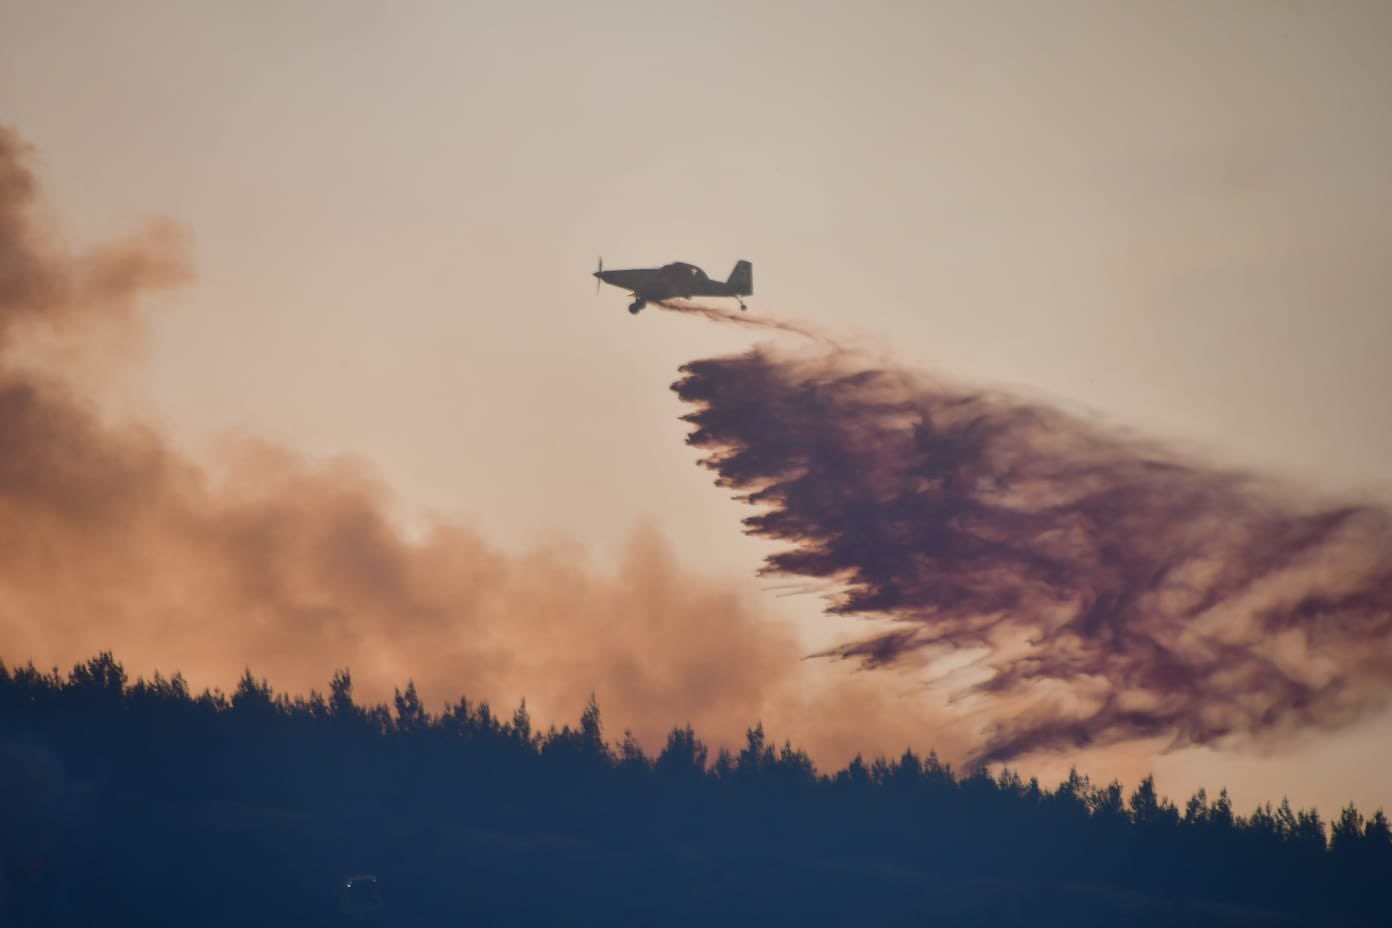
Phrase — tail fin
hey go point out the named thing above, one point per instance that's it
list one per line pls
(742, 278)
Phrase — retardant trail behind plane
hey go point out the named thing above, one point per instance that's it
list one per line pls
(732, 317)
(1120, 591)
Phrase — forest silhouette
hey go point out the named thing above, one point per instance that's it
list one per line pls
(145, 803)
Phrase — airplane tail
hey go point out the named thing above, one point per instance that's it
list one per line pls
(742, 278)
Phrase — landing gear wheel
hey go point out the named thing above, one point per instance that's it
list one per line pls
(636, 306)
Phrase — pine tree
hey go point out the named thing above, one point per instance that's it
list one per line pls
(631, 756)
(855, 775)
(684, 756)
(1347, 833)
(341, 705)
(592, 730)
(1262, 821)
(1106, 801)
(100, 681)
(1221, 813)
(1309, 830)
(1285, 820)
(1377, 833)
(410, 714)
(1196, 809)
(522, 723)
(1145, 803)
(253, 696)
(756, 755)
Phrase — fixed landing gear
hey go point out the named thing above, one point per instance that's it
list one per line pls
(636, 306)
(742, 306)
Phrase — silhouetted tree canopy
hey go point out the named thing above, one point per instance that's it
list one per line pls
(136, 799)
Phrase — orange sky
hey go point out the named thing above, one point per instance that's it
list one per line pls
(1174, 217)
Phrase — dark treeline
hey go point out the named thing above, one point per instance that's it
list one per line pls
(144, 803)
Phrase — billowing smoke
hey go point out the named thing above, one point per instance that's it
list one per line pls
(113, 540)
(1107, 589)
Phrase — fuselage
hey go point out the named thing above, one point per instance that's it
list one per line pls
(672, 281)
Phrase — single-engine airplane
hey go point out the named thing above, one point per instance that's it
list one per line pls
(652, 284)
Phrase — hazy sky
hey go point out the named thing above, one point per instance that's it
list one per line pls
(1175, 216)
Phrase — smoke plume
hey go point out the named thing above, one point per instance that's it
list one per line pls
(1111, 590)
(113, 540)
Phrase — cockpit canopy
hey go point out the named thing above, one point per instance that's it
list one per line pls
(681, 269)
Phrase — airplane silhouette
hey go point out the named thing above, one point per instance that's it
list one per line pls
(654, 284)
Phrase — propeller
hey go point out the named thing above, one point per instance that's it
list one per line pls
(598, 271)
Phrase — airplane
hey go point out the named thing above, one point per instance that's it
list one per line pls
(653, 284)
